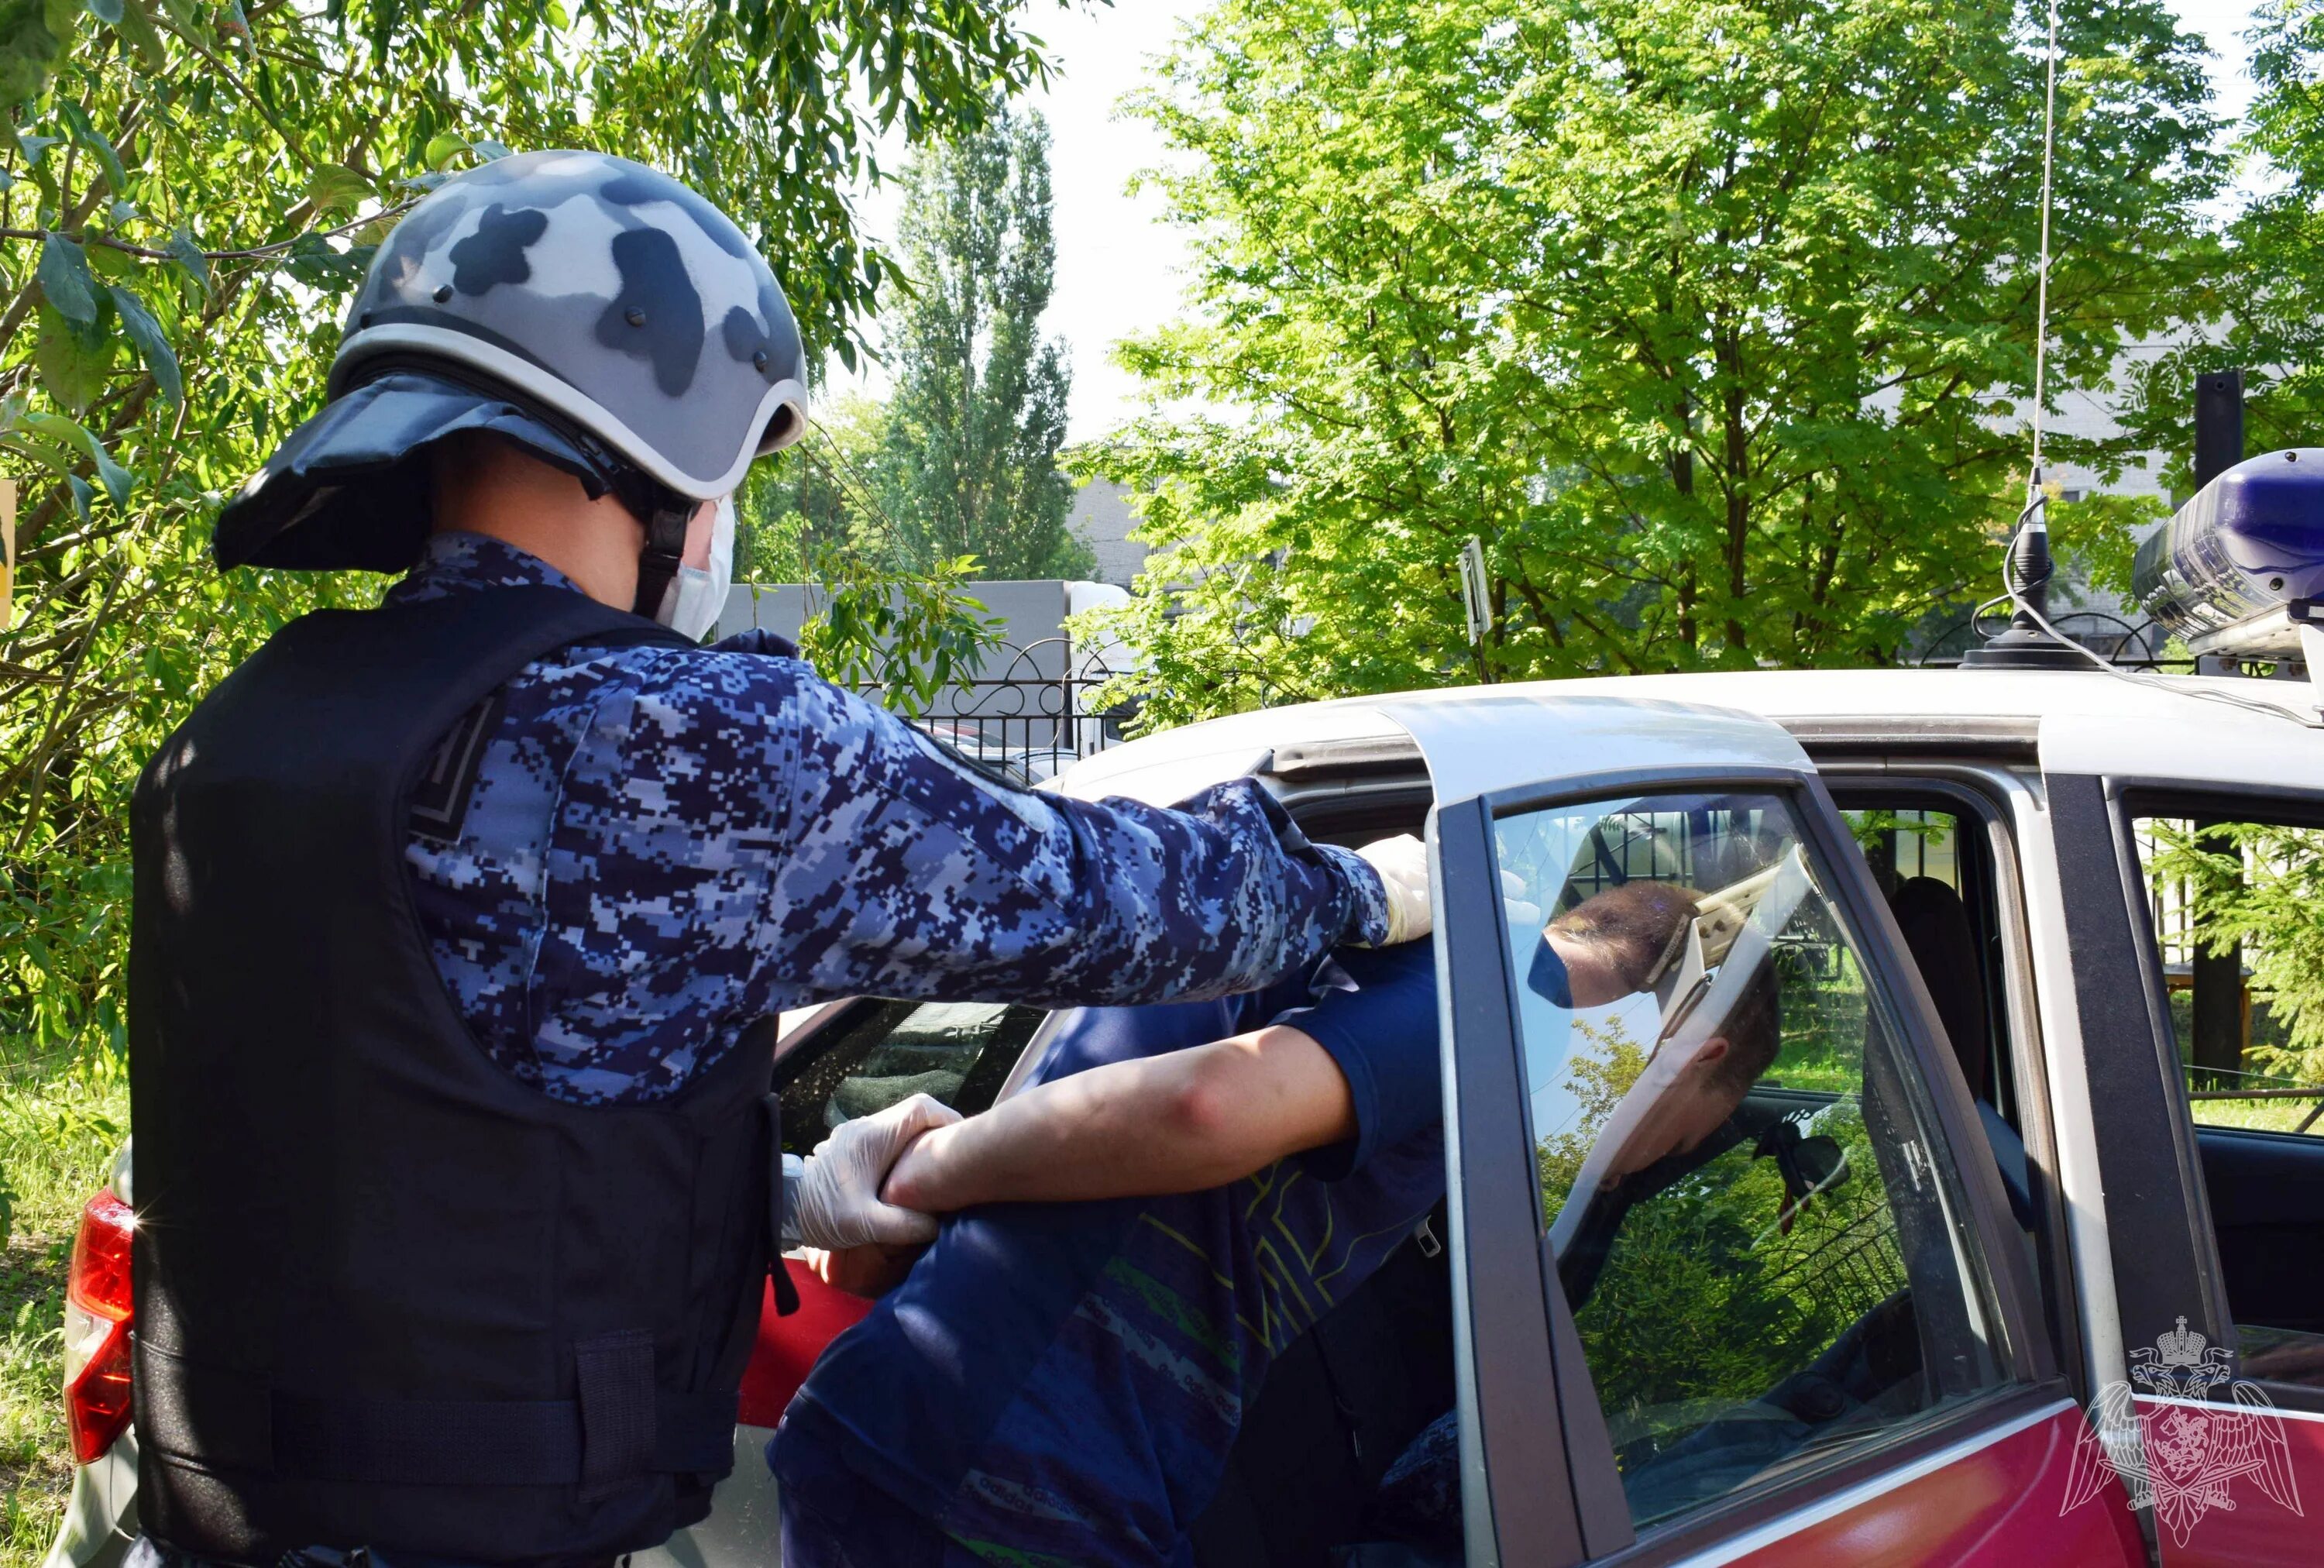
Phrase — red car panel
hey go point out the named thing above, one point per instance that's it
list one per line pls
(2000, 1504)
(787, 1346)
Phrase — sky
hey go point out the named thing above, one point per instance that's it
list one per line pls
(1119, 263)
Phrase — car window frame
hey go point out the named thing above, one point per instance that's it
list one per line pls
(2175, 1189)
(1540, 1484)
(1983, 790)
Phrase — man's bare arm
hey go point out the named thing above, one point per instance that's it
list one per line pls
(1179, 1122)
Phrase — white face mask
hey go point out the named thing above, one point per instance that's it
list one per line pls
(696, 595)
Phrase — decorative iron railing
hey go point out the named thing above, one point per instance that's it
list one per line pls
(1030, 713)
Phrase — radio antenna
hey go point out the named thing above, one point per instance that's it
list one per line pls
(2031, 643)
(2042, 278)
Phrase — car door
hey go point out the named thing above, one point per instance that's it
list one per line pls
(1735, 1279)
(2213, 1165)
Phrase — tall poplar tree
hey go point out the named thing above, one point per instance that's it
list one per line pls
(978, 408)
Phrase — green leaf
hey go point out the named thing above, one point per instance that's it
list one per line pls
(336, 188)
(152, 344)
(114, 265)
(105, 11)
(82, 496)
(138, 28)
(32, 147)
(73, 357)
(119, 483)
(56, 459)
(314, 262)
(188, 255)
(89, 136)
(117, 480)
(65, 278)
(443, 147)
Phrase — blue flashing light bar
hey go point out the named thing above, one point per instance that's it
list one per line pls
(2238, 569)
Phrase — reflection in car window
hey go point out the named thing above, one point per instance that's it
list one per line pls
(960, 1052)
(2242, 895)
(1760, 1235)
(2237, 913)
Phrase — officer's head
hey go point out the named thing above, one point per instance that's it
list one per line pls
(1612, 942)
(571, 311)
(1730, 1055)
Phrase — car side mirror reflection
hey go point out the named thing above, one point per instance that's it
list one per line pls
(1811, 1164)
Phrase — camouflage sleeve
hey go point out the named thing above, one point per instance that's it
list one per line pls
(910, 874)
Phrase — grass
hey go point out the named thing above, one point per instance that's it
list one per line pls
(60, 1120)
(2262, 1115)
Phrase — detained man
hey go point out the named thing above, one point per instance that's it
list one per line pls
(1060, 1379)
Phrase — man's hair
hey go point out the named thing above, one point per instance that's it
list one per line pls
(1754, 1032)
(1638, 920)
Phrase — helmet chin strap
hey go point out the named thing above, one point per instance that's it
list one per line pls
(658, 562)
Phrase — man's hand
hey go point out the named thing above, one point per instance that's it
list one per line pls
(865, 1271)
(839, 1202)
(1402, 862)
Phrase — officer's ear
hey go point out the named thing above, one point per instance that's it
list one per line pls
(1709, 1054)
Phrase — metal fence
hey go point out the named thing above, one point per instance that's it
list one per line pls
(2127, 644)
(1030, 713)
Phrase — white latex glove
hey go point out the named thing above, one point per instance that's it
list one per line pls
(839, 1204)
(1402, 862)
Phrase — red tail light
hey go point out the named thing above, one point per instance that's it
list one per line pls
(96, 1328)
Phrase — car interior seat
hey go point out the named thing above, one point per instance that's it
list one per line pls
(1940, 936)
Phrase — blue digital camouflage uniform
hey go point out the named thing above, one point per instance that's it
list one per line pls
(662, 846)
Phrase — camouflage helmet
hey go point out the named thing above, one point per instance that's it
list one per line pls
(596, 310)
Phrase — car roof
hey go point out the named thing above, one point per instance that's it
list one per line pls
(2183, 728)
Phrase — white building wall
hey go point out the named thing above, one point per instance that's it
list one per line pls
(1101, 517)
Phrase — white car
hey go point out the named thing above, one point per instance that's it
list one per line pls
(1973, 1196)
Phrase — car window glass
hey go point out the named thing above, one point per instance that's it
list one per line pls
(1939, 886)
(960, 1052)
(1901, 845)
(2235, 905)
(2242, 946)
(1758, 1226)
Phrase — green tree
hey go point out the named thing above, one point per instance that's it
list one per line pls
(822, 517)
(979, 410)
(2259, 306)
(187, 196)
(1710, 321)
(832, 492)
(2257, 888)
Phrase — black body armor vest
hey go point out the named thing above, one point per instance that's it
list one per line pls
(388, 1295)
